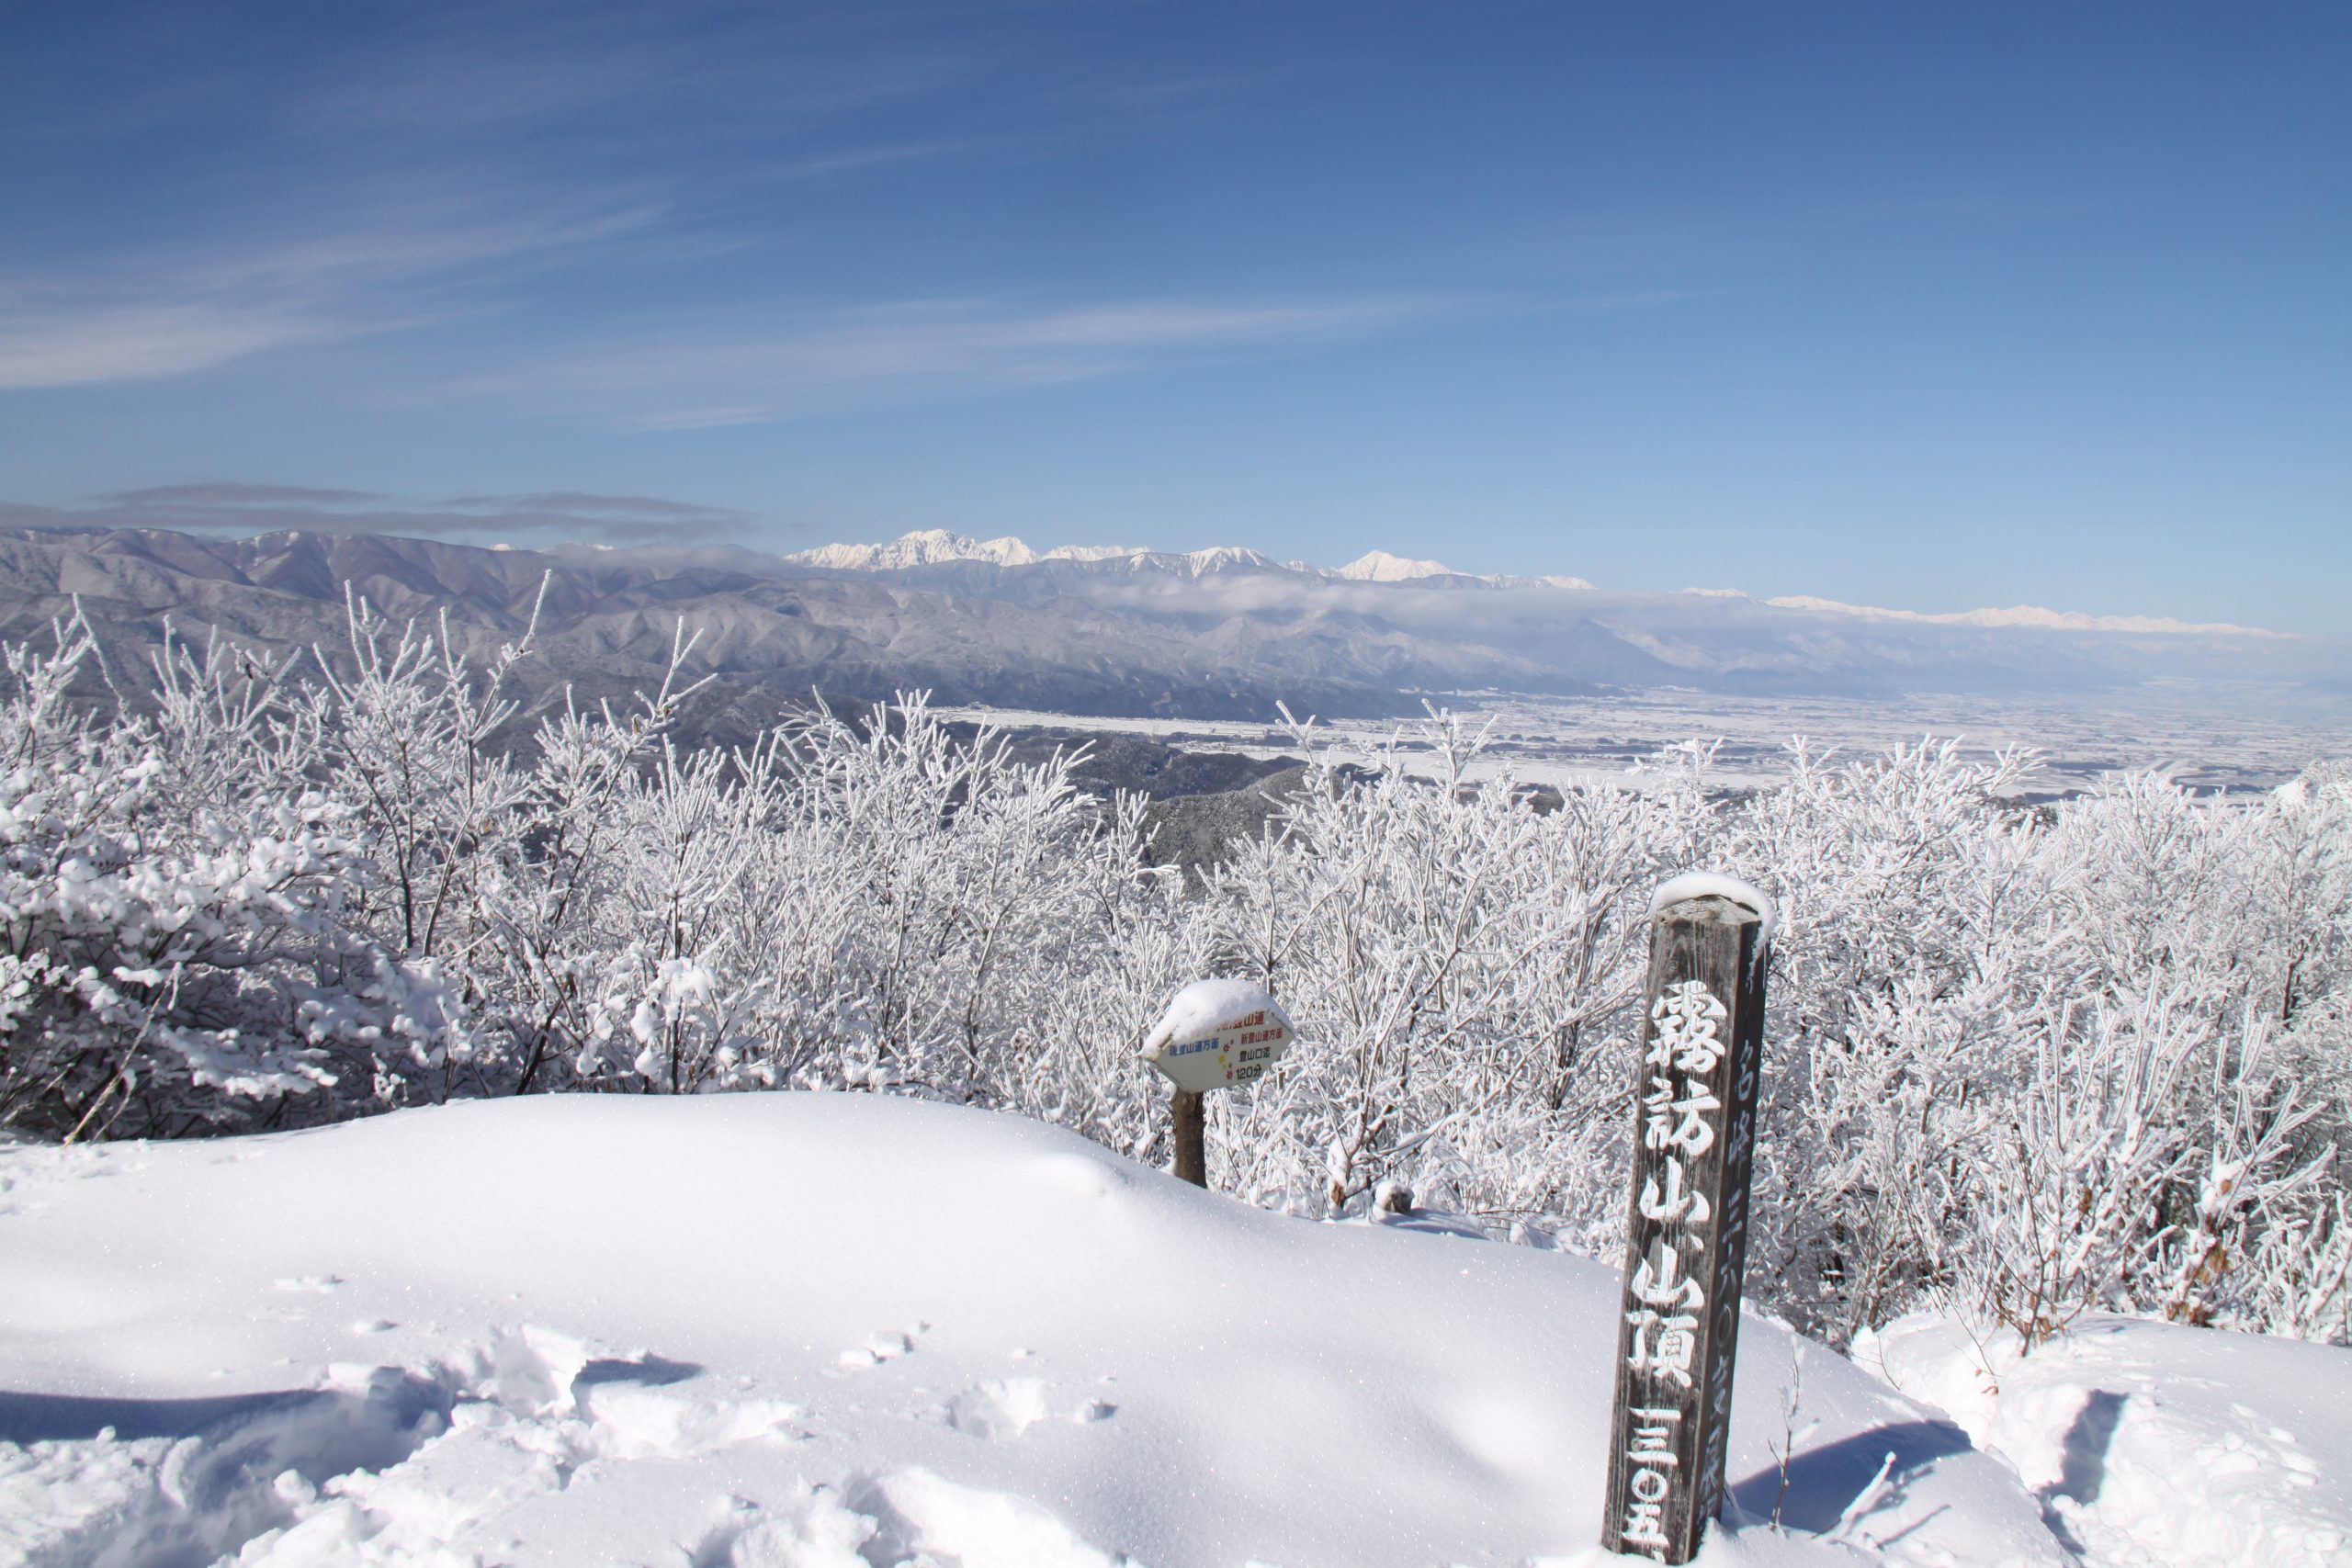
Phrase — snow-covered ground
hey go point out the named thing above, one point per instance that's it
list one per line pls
(840, 1331)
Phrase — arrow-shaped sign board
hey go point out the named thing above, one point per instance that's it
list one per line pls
(1218, 1033)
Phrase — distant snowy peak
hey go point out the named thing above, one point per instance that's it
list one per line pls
(1379, 566)
(1222, 556)
(1087, 552)
(2032, 615)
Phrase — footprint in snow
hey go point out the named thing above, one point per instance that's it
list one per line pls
(887, 1346)
(1001, 1409)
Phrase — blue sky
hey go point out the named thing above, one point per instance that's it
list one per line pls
(1927, 306)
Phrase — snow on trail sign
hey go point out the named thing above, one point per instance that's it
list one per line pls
(1694, 1151)
(1216, 1033)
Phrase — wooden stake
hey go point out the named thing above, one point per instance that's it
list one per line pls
(1694, 1149)
(1192, 1141)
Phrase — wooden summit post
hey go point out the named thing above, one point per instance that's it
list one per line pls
(1216, 1033)
(1694, 1151)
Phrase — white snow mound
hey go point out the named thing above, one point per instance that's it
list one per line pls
(850, 1331)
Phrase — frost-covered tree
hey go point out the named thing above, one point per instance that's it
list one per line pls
(1458, 963)
(176, 894)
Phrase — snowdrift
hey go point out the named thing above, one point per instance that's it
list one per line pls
(844, 1330)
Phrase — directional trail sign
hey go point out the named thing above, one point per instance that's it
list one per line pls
(1218, 1033)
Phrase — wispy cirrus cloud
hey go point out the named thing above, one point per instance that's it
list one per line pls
(70, 344)
(174, 313)
(432, 240)
(697, 373)
(233, 506)
(456, 72)
(423, 167)
(853, 160)
(425, 176)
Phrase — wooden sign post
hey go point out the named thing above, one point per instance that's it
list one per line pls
(1188, 1121)
(1694, 1149)
(1216, 1033)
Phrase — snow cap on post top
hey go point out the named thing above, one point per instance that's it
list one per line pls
(1714, 885)
(1216, 1033)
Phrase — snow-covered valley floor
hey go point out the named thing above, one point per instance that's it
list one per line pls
(835, 1331)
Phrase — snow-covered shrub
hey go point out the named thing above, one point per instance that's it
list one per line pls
(173, 895)
(2062, 1190)
(1458, 964)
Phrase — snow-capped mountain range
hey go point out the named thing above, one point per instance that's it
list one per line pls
(939, 546)
(932, 548)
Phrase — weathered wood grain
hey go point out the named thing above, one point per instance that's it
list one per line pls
(1694, 1110)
